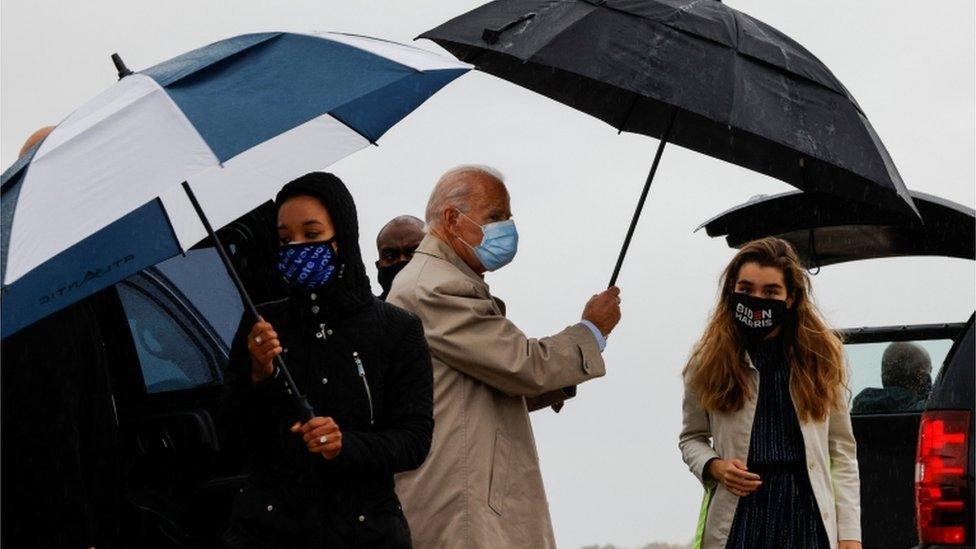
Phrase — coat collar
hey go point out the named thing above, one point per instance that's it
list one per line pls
(435, 247)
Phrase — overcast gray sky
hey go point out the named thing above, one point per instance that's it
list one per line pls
(610, 462)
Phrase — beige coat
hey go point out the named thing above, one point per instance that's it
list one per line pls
(830, 454)
(481, 485)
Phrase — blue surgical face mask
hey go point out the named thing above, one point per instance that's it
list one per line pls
(308, 265)
(498, 243)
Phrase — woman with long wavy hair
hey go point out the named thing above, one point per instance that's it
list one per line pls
(766, 425)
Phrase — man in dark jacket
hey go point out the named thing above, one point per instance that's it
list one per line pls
(60, 449)
(906, 376)
(365, 368)
(60, 478)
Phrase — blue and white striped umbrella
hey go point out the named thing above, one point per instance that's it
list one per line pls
(100, 198)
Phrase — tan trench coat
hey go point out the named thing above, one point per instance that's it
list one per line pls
(831, 456)
(481, 485)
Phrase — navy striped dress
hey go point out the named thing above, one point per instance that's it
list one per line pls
(783, 512)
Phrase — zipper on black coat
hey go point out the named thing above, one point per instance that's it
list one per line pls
(362, 375)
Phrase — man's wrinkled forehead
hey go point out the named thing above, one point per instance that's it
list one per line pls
(490, 196)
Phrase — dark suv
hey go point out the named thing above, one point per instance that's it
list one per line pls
(914, 441)
(944, 464)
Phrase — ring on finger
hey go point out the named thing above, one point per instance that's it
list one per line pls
(323, 439)
(257, 339)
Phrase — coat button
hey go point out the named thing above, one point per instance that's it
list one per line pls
(325, 380)
(361, 518)
(813, 466)
(270, 508)
(315, 309)
(328, 332)
(319, 335)
(314, 296)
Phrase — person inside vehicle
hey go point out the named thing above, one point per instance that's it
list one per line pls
(766, 428)
(906, 379)
(395, 245)
(365, 369)
(482, 485)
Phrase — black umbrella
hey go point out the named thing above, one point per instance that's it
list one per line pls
(826, 230)
(693, 72)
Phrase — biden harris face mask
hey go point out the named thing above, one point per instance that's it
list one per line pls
(308, 265)
(499, 242)
(756, 317)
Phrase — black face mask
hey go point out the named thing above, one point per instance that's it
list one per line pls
(386, 274)
(756, 317)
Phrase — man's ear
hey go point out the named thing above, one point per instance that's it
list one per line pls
(450, 217)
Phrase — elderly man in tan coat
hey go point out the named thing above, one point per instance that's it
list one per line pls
(481, 485)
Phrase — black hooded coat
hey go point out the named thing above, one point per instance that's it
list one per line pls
(297, 499)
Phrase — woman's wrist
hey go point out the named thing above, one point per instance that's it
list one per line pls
(255, 381)
(707, 472)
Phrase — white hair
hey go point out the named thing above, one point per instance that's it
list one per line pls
(454, 189)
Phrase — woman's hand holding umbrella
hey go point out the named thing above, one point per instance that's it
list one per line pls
(263, 345)
(321, 435)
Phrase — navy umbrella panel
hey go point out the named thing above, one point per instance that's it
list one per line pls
(279, 81)
(695, 73)
(234, 120)
(826, 230)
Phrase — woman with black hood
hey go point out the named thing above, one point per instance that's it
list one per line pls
(365, 368)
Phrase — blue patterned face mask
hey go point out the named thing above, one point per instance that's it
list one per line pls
(308, 265)
(499, 242)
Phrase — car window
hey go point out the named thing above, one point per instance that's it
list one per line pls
(893, 377)
(202, 278)
(170, 358)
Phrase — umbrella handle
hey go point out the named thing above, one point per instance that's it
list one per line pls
(643, 197)
(301, 402)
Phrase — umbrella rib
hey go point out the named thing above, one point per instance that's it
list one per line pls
(348, 125)
(630, 110)
(169, 222)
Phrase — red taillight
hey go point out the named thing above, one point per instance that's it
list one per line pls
(940, 476)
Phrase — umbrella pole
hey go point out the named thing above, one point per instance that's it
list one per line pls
(300, 400)
(643, 197)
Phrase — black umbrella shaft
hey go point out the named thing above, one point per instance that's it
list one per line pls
(302, 402)
(643, 197)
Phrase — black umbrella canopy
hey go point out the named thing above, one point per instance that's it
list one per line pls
(738, 89)
(826, 230)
